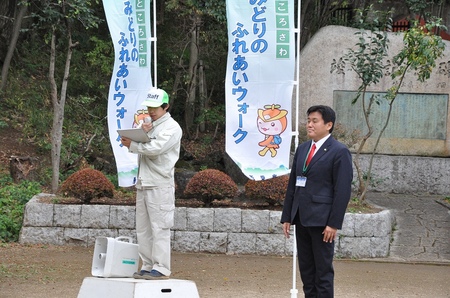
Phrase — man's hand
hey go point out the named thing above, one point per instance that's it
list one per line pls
(286, 229)
(329, 234)
(147, 126)
(125, 141)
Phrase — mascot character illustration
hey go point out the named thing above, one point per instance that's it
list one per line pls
(139, 118)
(271, 123)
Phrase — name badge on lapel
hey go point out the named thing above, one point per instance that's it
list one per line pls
(301, 181)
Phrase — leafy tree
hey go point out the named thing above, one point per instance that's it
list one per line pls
(419, 54)
(196, 55)
(58, 18)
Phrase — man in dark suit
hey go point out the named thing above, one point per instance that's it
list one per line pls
(317, 196)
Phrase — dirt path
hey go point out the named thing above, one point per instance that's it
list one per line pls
(58, 271)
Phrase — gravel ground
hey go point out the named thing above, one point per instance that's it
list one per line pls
(58, 271)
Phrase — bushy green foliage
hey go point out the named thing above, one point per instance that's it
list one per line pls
(87, 184)
(271, 190)
(211, 184)
(85, 125)
(13, 198)
(114, 180)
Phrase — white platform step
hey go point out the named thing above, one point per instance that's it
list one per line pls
(95, 287)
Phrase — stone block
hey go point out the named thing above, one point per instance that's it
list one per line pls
(93, 234)
(128, 233)
(365, 226)
(76, 237)
(354, 247)
(200, 219)
(228, 220)
(94, 216)
(379, 246)
(42, 235)
(274, 222)
(241, 243)
(348, 226)
(255, 221)
(67, 216)
(180, 219)
(289, 246)
(214, 242)
(122, 217)
(270, 244)
(186, 241)
(36, 198)
(38, 215)
(382, 222)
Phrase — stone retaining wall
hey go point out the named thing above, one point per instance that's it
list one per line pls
(408, 174)
(210, 230)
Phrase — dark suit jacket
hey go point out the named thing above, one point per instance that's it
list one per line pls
(328, 187)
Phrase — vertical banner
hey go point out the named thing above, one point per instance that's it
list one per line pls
(259, 84)
(129, 25)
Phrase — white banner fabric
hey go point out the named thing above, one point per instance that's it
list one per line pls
(259, 84)
(129, 25)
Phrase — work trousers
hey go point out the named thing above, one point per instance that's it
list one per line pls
(154, 217)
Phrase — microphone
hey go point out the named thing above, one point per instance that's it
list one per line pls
(146, 120)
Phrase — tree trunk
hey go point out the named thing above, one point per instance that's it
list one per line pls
(12, 45)
(58, 107)
(369, 170)
(193, 61)
(202, 93)
(363, 182)
(56, 148)
(176, 85)
(8, 11)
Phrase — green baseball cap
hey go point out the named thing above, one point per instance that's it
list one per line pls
(155, 98)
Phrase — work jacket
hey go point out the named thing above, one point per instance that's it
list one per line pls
(157, 158)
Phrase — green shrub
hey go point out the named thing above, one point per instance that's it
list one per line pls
(13, 198)
(114, 178)
(211, 184)
(271, 190)
(87, 184)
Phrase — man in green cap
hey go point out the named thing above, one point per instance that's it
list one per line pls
(155, 197)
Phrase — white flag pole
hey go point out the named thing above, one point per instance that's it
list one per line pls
(294, 290)
(297, 74)
(153, 38)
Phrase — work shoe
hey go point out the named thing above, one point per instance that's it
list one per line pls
(154, 274)
(139, 275)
